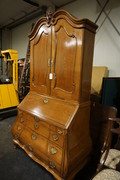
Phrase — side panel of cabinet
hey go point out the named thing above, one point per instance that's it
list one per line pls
(40, 56)
(67, 60)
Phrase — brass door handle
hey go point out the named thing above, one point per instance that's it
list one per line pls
(48, 62)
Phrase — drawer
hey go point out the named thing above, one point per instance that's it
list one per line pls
(57, 135)
(56, 138)
(55, 167)
(55, 153)
(21, 117)
(34, 142)
(57, 130)
(17, 129)
(37, 125)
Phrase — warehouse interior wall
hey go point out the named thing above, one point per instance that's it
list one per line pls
(107, 40)
(6, 39)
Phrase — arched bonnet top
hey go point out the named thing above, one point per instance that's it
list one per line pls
(52, 18)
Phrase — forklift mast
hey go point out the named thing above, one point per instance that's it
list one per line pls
(11, 56)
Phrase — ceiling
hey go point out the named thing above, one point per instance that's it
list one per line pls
(15, 12)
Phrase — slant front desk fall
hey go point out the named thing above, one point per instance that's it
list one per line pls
(52, 124)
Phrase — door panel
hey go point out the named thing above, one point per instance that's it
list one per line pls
(65, 61)
(41, 53)
(65, 47)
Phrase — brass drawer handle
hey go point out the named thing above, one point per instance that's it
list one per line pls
(30, 148)
(19, 128)
(60, 131)
(53, 151)
(37, 119)
(33, 136)
(36, 126)
(55, 137)
(45, 101)
(22, 119)
(52, 165)
(20, 112)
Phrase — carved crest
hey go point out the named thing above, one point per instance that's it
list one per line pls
(49, 16)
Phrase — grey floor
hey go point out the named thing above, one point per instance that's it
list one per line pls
(15, 164)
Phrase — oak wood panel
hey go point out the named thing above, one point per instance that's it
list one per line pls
(55, 168)
(17, 129)
(57, 138)
(35, 104)
(37, 125)
(55, 153)
(79, 141)
(34, 141)
(64, 60)
(41, 45)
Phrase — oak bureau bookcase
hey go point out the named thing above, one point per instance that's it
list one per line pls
(52, 124)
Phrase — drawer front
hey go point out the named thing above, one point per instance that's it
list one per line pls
(55, 167)
(57, 130)
(17, 130)
(55, 153)
(56, 138)
(34, 142)
(38, 126)
(34, 123)
(21, 117)
(57, 135)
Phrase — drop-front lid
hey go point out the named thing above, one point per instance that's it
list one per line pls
(54, 111)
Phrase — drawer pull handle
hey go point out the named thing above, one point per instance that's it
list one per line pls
(53, 151)
(33, 137)
(37, 119)
(45, 101)
(52, 165)
(55, 138)
(60, 131)
(22, 119)
(19, 128)
(36, 126)
(30, 148)
(20, 112)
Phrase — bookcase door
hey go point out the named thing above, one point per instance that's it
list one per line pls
(66, 55)
(40, 60)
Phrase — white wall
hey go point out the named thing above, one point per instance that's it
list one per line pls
(107, 42)
(6, 39)
(20, 38)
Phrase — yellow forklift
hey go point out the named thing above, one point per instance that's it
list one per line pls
(9, 82)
